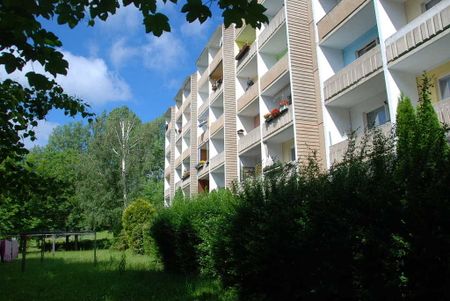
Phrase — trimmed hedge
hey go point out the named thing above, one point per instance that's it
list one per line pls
(374, 227)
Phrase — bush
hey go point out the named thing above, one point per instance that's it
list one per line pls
(183, 232)
(136, 219)
(83, 244)
(374, 227)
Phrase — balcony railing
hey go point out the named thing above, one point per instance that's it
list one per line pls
(203, 137)
(203, 171)
(186, 182)
(353, 73)
(215, 94)
(442, 109)
(185, 154)
(203, 79)
(217, 160)
(240, 30)
(203, 107)
(216, 60)
(338, 150)
(277, 124)
(337, 16)
(277, 70)
(274, 24)
(252, 138)
(167, 192)
(247, 57)
(167, 171)
(187, 126)
(178, 161)
(216, 125)
(247, 97)
(418, 31)
(178, 185)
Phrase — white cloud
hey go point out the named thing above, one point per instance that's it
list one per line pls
(43, 131)
(164, 54)
(126, 19)
(87, 78)
(195, 29)
(91, 80)
(161, 54)
(121, 52)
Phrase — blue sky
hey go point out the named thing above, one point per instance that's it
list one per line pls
(116, 63)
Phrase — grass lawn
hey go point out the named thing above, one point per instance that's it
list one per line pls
(73, 276)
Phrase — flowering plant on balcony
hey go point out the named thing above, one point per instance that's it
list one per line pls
(275, 113)
(268, 117)
(284, 103)
(200, 164)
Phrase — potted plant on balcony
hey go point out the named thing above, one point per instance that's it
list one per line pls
(268, 117)
(245, 48)
(284, 103)
(200, 164)
(275, 113)
(186, 175)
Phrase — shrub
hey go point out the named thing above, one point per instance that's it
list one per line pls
(136, 219)
(183, 232)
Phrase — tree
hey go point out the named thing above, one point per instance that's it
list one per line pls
(24, 40)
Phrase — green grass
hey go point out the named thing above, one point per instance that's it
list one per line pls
(73, 276)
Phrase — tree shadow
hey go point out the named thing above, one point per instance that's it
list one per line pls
(59, 279)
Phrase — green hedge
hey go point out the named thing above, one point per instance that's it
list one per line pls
(374, 227)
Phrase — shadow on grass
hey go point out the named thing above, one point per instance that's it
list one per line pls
(61, 279)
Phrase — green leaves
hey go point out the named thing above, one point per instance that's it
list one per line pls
(195, 9)
(39, 81)
(156, 24)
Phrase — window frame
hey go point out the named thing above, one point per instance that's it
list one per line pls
(439, 87)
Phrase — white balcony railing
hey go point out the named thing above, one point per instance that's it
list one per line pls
(419, 30)
(216, 125)
(277, 70)
(247, 97)
(338, 150)
(217, 160)
(274, 24)
(353, 73)
(337, 15)
(442, 109)
(277, 124)
(248, 56)
(203, 107)
(252, 138)
(216, 60)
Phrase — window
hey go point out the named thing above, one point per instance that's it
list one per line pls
(293, 153)
(429, 4)
(444, 87)
(376, 117)
(367, 47)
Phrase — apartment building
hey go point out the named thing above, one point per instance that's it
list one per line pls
(320, 71)
(252, 103)
(368, 52)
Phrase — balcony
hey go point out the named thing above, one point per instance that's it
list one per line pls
(216, 60)
(442, 109)
(217, 160)
(277, 70)
(423, 28)
(167, 192)
(203, 171)
(251, 139)
(185, 154)
(338, 150)
(278, 124)
(203, 78)
(203, 137)
(249, 55)
(274, 24)
(186, 182)
(167, 171)
(203, 107)
(354, 73)
(337, 16)
(216, 125)
(178, 161)
(178, 185)
(187, 126)
(247, 98)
